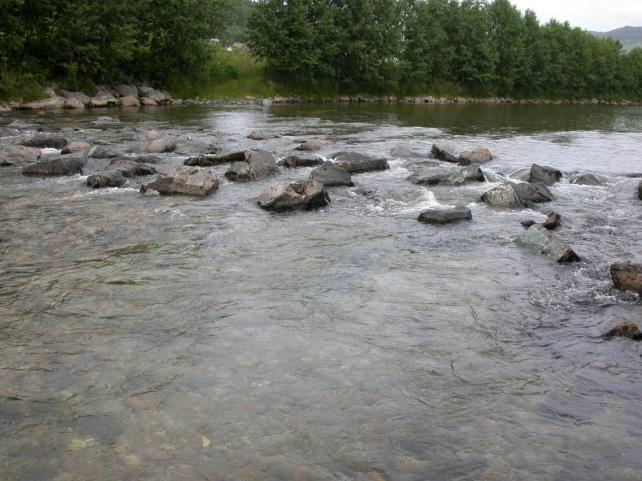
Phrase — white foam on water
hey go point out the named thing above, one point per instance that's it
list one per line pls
(102, 192)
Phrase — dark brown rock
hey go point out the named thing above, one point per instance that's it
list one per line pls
(216, 159)
(476, 156)
(111, 178)
(553, 221)
(445, 216)
(293, 161)
(627, 277)
(625, 329)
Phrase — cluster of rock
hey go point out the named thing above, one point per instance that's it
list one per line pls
(429, 99)
(530, 188)
(119, 96)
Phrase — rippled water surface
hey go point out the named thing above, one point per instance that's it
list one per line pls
(173, 338)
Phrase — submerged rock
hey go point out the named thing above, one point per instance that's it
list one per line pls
(625, 329)
(445, 216)
(285, 196)
(45, 141)
(588, 179)
(72, 147)
(640, 190)
(111, 178)
(103, 152)
(331, 175)
(511, 196)
(131, 168)
(259, 164)
(293, 161)
(544, 175)
(440, 176)
(627, 277)
(356, 163)
(476, 156)
(184, 181)
(255, 135)
(527, 223)
(440, 152)
(312, 145)
(540, 238)
(160, 146)
(18, 154)
(216, 159)
(60, 165)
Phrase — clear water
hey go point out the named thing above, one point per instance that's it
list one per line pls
(170, 338)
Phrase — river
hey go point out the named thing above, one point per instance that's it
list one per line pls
(173, 338)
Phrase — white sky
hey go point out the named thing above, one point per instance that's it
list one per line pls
(597, 15)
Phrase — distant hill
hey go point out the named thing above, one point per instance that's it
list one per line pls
(629, 37)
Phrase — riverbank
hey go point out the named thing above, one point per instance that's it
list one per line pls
(142, 96)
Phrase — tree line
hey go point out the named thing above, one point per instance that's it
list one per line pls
(108, 41)
(395, 47)
(417, 46)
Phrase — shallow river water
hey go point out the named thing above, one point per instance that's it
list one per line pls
(173, 338)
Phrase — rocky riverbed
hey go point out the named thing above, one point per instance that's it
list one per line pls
(373, 293)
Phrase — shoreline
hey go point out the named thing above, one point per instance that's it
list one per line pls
(71, 101)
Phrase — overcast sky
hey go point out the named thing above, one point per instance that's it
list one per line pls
(599, 15)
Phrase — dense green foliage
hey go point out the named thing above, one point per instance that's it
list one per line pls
(308, 47)
(107, 41)
(415, 46)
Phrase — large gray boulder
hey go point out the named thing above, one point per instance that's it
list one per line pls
(216, 159)
(627, 277)
(331, 175)
(356, 163)
(285, 196)
(110, 178)
(541, 239)
(50, 103)
(440, 176)
(512, 196)
(126, 91)
(103, 98)
(44, 141)
(259, 164)
(445, 215)
(544, 175)
(18, 154)
(59, 165)
(293, 161)
(79, 97)
(475, 156)
(184, 181)
(440, 152)
(128, 101)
